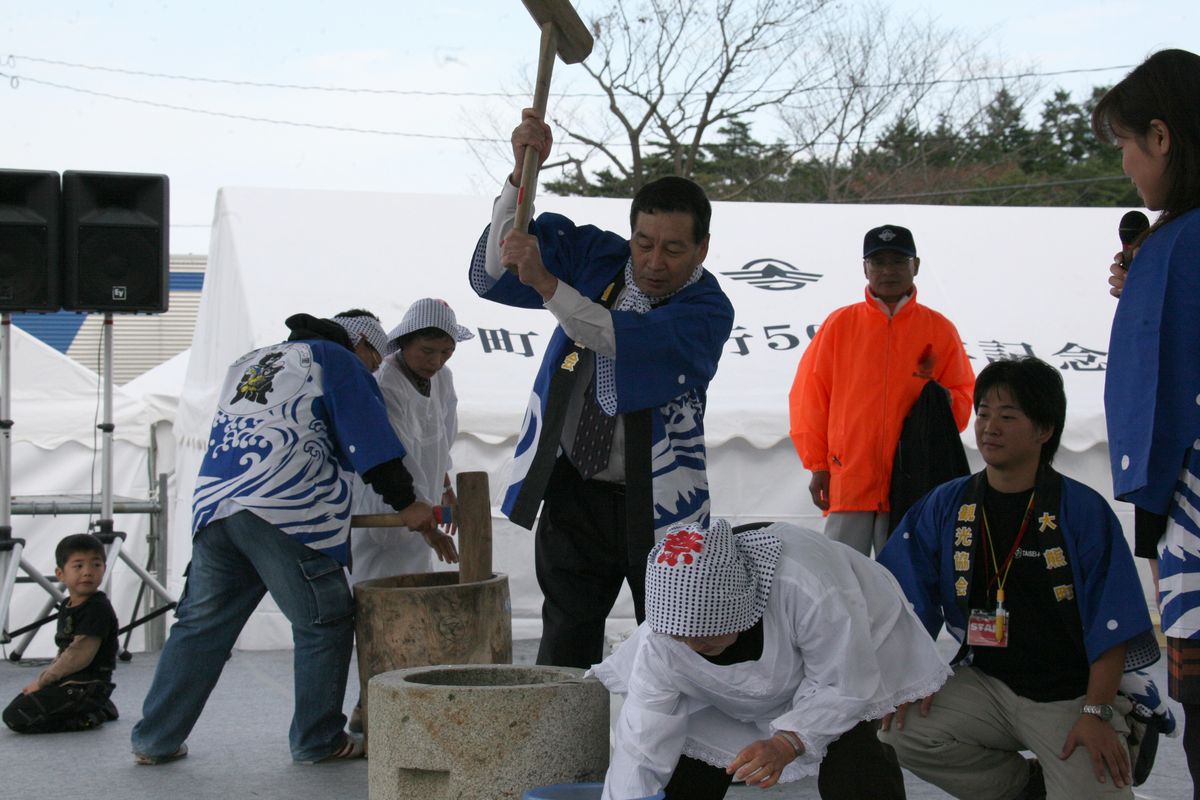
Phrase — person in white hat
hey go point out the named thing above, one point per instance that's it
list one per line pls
(422, 406)
(766, 656)
(418, 391)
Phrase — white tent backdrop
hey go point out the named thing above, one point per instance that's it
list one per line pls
(56, 404)
(1014, 280)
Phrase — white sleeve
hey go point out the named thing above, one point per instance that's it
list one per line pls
(585, 321)
(503, 210)
(649, 733)
(842, 674)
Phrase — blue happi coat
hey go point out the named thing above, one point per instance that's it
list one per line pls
(294, 422)
(664, 361)
(1112, 607)
(1152, 406)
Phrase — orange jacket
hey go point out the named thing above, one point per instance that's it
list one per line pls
(856, 383)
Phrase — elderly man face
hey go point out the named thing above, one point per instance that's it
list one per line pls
(890, 274)
(665, 251)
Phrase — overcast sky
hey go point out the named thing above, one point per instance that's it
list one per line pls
(59, 117)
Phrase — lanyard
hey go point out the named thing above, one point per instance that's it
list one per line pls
(997, 578)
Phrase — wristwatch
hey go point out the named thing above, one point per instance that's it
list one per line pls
(1102, 710)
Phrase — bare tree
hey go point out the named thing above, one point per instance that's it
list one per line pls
(674, 77)
(672, 72)
(888, 76)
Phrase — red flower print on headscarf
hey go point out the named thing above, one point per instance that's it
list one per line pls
(679, 546)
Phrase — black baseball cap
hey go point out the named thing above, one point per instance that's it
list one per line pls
(889, 237)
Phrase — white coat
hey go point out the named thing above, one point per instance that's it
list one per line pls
(841, 645)
(426, 427)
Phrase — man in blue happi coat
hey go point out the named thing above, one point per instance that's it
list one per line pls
(271, 513)
(612, 445)
(1029, 570)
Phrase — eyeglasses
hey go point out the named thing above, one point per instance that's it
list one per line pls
(887, 262)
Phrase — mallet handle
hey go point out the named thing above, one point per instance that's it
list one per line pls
(442, 515)
(541, 94)
(474, 528)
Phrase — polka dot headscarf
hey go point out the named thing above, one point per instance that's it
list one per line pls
(709, 582)
(428, 312)
(365, 328)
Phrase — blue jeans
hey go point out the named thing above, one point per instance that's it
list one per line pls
(235, 561)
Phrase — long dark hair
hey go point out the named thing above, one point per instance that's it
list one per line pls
(1165, 87)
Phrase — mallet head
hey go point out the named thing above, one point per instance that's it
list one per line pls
(574, 39)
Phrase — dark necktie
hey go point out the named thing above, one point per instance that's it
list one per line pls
(592, 447)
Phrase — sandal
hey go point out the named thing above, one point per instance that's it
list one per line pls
(351, 747)
(146, 760)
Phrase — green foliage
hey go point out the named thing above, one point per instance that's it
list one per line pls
(1000, 159)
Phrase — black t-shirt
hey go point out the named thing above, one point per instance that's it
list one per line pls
(93, 617)
(1045, 659)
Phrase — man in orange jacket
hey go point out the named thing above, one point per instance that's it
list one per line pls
(857, 381)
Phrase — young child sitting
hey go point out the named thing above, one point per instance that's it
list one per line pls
(72, 694)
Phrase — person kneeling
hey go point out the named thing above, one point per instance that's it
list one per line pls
(1030, 571)
(766, 656)
(72, 694)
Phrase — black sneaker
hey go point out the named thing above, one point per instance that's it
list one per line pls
(1035, 787)
(84, 722)
(110, 711)
(1147, 749)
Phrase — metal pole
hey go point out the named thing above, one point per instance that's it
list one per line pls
(156, 629)
(10, 548)
(5, 425)
(106, 428)
(28, 506)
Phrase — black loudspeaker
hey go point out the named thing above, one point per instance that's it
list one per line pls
(115, 251)
(30, 209)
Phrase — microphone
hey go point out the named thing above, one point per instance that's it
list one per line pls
(1133, 224)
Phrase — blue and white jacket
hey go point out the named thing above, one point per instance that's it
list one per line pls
(1152, 406)
(664, 361)
(294, 422)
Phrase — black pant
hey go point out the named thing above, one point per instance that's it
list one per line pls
(857, 766)
(61, 707)
(581, 555)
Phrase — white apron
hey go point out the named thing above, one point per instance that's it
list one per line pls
(426, 427)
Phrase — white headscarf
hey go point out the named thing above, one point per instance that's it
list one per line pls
(428, 312)
(365, 327)
(709, 582)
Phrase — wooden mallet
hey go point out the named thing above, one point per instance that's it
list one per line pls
(564, 33)
(474, 518)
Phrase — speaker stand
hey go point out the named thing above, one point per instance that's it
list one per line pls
(103, 528)
(114, 540)
(10, 548)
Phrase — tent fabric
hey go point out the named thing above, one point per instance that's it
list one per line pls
(56, 404)
(56, 400)
(1013, 280)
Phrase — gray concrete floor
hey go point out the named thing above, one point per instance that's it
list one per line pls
(239, 747)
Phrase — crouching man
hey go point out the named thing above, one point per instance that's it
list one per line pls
(1030, 571)
(766, 655)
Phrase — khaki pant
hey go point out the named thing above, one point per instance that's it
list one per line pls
(859, 529)
(969, 745)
